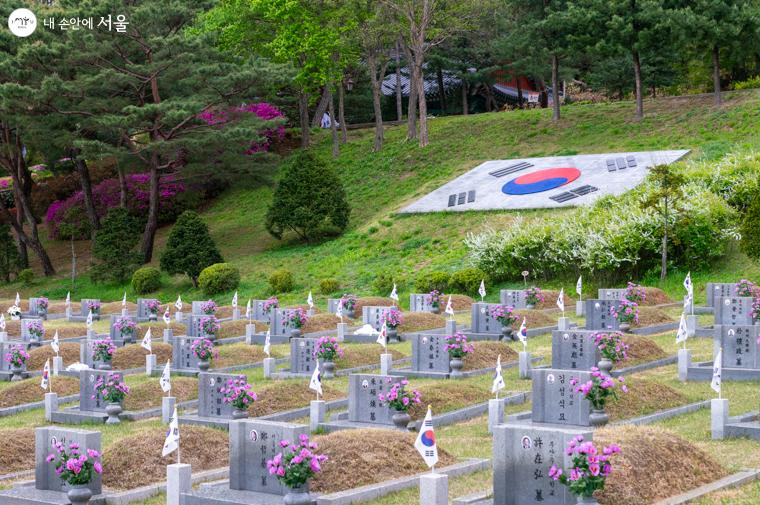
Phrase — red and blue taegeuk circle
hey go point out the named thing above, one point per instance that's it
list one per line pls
(542, 180)
(428, 438)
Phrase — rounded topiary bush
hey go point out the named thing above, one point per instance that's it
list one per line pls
(432, 280)
(467, 280)
(328, 286)
(219, 278)
(26, 276)
(146, 280)
(281, 281)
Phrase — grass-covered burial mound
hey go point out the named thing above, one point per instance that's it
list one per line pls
(641, 350)
(363, 354)
(644, 397)
(486, 353)
(237, 328)
(133, 355)
(649, 316)
(447, 395)
(419, 321)
(69, 351)
(371, 455)
(322, 322)
(535, 318)
(654, 464)
(371, 301)
(240, 354)
(287, 395)
(29, 391)
(656, 296)
(148, 394)
(18, 454)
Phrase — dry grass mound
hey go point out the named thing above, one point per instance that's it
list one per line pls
(644, 397)
(136, 460)
(69, 351)
(373, 455)
(656, 296)
(321, 322)
(239, 354)
(458, 302)
(363, 354)
(371, 301)
(157, 329)
(649, 316)
(237, 328)
(654, 464)
(419, 321)
(486, 353)
(133, 355)
(19, 455)
(550, 300)
(641, 350)
(70, 330)
(446, 396)
(281, 396)
(148, 394)
(107, 307)
(535, 318)
(29, 391)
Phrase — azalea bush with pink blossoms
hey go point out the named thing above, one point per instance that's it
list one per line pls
(208, 307)
(203, 349)
(611, 346)
(298, 462)
(73, 466)
(103, 350)
(397, 398)
(457, 346)
(238, 393)
(296, 318)
(393, 317)
(17, 356)
(746, 287)
(590, 467)
(263, 110)
(111, 388)
(599, 389)
(533, 296)
(270, 304)
(328, 349)
(635, 293)
(504, 314)
(626, 312)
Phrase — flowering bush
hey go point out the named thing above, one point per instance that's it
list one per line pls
(111, 388)
(270, 304)
(434, 298)
(296, 318)
(208, 307)
(73, 467)
(635, 293)
(457, 346)
(238, 393)
(398, 399)
(297, 464)
(589, 468)
(103, 349)
(611, 346)
(327, 349)
(203, 349)
(42, 303)
(153, 306)
(263, 110)
(599, 388)
(17, 356)
(125, 326)
(210, 325)
(533, 296)
(393, 317)
(747, 288)
(348, 301)
(94, 307)
(626, 312)
(35, 328)
(504, 314)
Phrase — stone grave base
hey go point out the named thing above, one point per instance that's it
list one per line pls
(221, 494)
(703, 372)
(73, 415)
(27, 494)
(6, 376)
(209, 422)
(260, 338)
(749, 429)
(340, 422)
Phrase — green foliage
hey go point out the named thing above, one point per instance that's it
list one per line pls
(750, 241)
(467, 280)
(428, 281)
(9, 256)
(219, 278)
(190, 247)
(751, 83)
(281, 281)
(114, 246)
(146, 280)
(309, 199)
(382, 285)
(26, 276)
(329, 286)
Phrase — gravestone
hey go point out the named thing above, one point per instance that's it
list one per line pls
(374, 316)
(210, 399)
(5, 348)
(25, 335)
(302, 359)
(734, 311)
(555, 400)
(363, 405)
(142, 307)
(196, 309)
(598, 315)
(611, 293)
(85, 309)
(419, 303)
(717, 290)
(574, 350)
(182, 354)
(45, 477)
(515, 298)
(332, 305)
(522, 457)
(115, 335)
(482, 322)
(429, 354)
(89, 400)
(257, 309)
(740, 347)
(33, 309)
(278, 323)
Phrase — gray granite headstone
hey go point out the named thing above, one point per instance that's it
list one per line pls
(257, 307)
(482, 322)
(142, 307)
(45, 477)
(522, 457)
(612, 293)
(252, 443)
(332, 305)
(574, 350)
(210, 399)
(717, 290)
(5, 348)
(419, 303)
(84, 306)
(374, 316)
(363, 405)
(598, 315)
(555, 400)
(89, 400)
(115, 335)
(33, 311)
(740, 347)
(25, 336)
(182, 354)
(278, 323)
(302, 359)
(429, 354)
(515, 298)
(734, 311)
(196, 308)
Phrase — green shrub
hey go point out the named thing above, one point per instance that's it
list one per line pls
(114, 246)
(9, 255)
(751, 83)
(429, 281)
(750, 241)
(146, 280)
(281, 281)
(190, 248)
(219, 278)
(467, 280)
(382, 285)
(329, 286)
(26, 276)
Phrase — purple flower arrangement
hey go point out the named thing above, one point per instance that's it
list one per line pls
(297, 463)
(434, 298)
(599, 388)
(208, 308)
(103, 350)
(504, 314)
(393, 317)
(626, 312)
(210, 325)
(746, 287)
(270, 304)
(457, 346)
(398, 399)
(611, 346)
(296, 318)
(238, 393)
(125, 326)
(111, 388)
(348, 302)
(35, 328)
(327, 349)
(17, 356)
(533, 296)
(73, 466)
(42, 303)
(153, 306)
(635, 293)
(756, 310)
(94, 306)
(590, 467)
(203, 349)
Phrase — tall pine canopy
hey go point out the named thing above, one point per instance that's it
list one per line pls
(190, 248)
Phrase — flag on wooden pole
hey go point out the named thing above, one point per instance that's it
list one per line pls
(45, 383)
(717, 372)
(165, 381)
(498, 379)
(683, 332)
(561, 301)
(147, 341)
(394, 293)
(55, 345)
(167, 316)
(425, 443)
(482, 289)
(178, 303)
(171, 443)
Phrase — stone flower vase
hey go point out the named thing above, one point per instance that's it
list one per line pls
(18, 373)
(530, 306)
(298, 495)
(34, 341)
(152, 316)
(506, 332)
(113, 409)
(605, 366)
(329, 369)
(204, 365)
(42, 313)
(104, 365)
(295, 333)
(625, 327)
(393, 335)
(456, 365)
(598, 417)
(401, 420)
(587, 500)
(435, 309)
(128, 338)
(239, 414)
(350, 314)
(79, 494)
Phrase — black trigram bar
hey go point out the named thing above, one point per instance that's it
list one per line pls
(511, 169)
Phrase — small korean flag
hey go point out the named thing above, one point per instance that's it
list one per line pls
(683, 332)
(449, 308)
(394, 293)
(339, 310)
(561, 301)
(425, 443)
(717, 372)
(382, 337)
(171, 443)
(579, 286)
(18, 300)
(45, 375)
(688, 285)
(267, 343)
(165, 380)
(124, 300)
(167, 316)
(88, 322)
(248, 310)
(315, 384)
(310, 300)
(68, 300)
(498, 380)
(522, 333)
(2, 322)
(56, 343)
(482, 289)
(147, 341)
(178, 303)
(235, 300)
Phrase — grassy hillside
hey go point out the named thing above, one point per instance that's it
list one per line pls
(380, 184)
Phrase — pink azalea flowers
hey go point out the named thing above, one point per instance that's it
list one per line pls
(504, 314)
(94, 307)
(327, 349)
(203, 349)
(746, 287)
(635, 293)
(17, 356)
(393, 317)
(35, 328)
(457, 346)
(270, 304)
(533, 296)
(398, 399)
(626, 312)
(296, 318)
(599, 388)
(348, 302)
(611, 346)
(297, 463)
(111, 388)
(210, 325)
(125, 326)
(103, 350)
(238, 393)
(590, 468)
(434, 298)
(153, 306)
(208, 307)
(73, 466)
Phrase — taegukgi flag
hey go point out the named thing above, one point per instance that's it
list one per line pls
(561, 300)
(315, 384)
(382, 337)
(394, 293)
(165, 381)
(88, 322)
(522, 333)
(68, 299)
(688, 285)
(55, 345)
(717, 371)
(124, 300)
(683, 331)
(167, 316)
(18, 300)
(235, 300)
(498, 380)
(267, 343)
(339, 310)
(248, 309)
(449, 309)
(171, 443)
(579, 286)
(178, 303)
(45, 375)
(147, 341)
(310, 301)
(425, 443)
(482, 289)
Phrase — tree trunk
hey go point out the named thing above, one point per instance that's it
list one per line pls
(22, 203)
(441, 91)
(122, 186)
(465, 105)
(151, 225)
(89, 201)
(378, 116)
(664, 264)
(637, 80)
(716, 75)
(321, 108)
(519, 93)
(333, 127)
(421, 101)
(22, 249)
(27, 241)
(23, 252)
(411, 115)
(555, 88)
(342, 114)
(303, 113)
(399, 96)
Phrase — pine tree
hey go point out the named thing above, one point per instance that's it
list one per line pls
(114, 246)
(190, 248)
